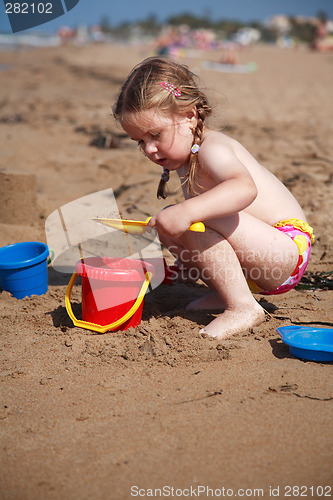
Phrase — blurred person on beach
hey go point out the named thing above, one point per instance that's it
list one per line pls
(323, 41)
(256, 239)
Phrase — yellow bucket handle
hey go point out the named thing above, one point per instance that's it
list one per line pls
(115, 324)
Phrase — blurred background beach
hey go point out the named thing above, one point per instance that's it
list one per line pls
(88, 416)
(190, 24)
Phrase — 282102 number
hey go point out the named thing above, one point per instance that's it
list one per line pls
(305, 491)
(28, 8)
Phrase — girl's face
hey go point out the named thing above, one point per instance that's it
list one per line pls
(165, 139)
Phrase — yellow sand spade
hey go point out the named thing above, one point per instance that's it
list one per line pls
(138, 226)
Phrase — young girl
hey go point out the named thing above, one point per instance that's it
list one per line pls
(256, 239)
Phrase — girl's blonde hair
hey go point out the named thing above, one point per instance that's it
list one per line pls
(143, 90)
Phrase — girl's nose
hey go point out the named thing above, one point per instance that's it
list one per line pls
(150, 148)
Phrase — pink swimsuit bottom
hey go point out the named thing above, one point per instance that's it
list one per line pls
(302, 234)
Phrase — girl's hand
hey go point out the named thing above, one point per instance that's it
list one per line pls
(172, 221)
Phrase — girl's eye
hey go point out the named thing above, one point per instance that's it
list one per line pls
(155, 136)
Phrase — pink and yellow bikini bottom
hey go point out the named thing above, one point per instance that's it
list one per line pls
(302, 234)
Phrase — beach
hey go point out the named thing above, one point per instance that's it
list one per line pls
(118, 415)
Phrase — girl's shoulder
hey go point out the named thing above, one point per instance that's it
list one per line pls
(215, 137)
(215, 142)
(221, 156)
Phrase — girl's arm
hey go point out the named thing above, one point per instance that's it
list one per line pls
(228, 189)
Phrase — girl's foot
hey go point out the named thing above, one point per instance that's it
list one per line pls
(234, 321)
(210, 302)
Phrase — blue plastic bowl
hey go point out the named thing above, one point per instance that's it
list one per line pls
(23, 268)
(314, 344)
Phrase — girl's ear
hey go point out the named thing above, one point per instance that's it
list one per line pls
(192, 117)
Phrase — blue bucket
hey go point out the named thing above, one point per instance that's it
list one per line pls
(23, 268)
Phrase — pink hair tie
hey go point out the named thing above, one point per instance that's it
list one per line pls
(171, 88)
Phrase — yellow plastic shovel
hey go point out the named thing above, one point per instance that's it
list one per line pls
(139, 226)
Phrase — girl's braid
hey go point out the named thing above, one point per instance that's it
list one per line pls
(203, 110)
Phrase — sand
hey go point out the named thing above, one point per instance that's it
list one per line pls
(87, 416)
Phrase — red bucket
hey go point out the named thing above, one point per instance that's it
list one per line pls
(110, 287)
